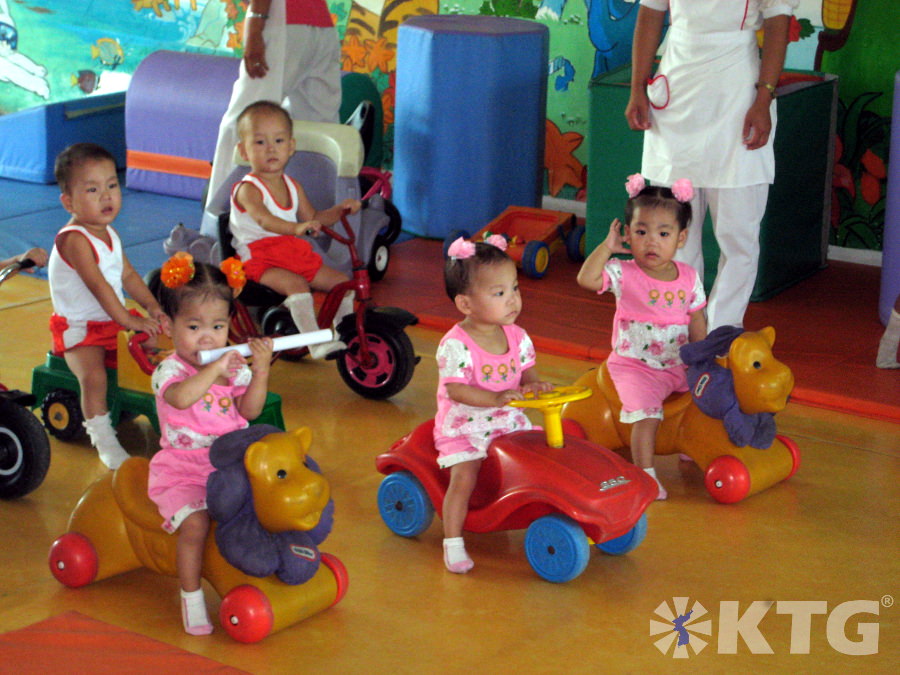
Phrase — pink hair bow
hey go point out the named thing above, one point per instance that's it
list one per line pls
(635, 184)
(461, 249)
(683, 190)
(497, 240)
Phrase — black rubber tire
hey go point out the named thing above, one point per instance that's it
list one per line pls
(24, 451)
(61, 414)
(380, 258)
(395, 226)
(393, 369)
(277, 321)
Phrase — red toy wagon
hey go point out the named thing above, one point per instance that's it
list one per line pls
(533, 234)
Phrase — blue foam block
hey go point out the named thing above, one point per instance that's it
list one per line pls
(469, 124)
(31, 139)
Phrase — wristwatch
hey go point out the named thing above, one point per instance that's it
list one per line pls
(769, 87)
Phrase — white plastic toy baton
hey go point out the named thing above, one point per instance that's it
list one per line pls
(278, 344)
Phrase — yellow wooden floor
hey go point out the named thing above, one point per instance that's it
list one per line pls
(828, 535)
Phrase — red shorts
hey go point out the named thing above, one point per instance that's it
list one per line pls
(68, 335)
(285, 252)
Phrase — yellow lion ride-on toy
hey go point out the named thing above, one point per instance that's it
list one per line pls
(733, 471)
(115, 528)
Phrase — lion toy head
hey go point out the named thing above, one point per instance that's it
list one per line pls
(734, 377)
(271, 504)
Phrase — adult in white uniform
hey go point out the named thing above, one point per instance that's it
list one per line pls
(709, 115)
(292, 56)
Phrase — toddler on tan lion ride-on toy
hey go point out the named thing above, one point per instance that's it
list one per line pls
(115, 528)
(733, 471)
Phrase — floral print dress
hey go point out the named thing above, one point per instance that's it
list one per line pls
(461, 360)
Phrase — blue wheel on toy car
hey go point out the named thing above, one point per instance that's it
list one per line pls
(628, 541)
(535, 259)
(557, 548)
(575, 244)
(404, 504)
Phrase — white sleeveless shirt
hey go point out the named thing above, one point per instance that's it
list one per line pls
(244, 229)
(70, 296)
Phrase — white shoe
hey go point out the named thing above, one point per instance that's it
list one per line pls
(103, 437)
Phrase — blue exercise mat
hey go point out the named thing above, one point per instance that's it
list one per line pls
(32, 214)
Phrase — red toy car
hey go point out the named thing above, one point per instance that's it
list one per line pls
(532, 235)
(564, 490)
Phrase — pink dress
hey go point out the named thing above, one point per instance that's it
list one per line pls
(649, 328)
(178, 472)
(463, 432)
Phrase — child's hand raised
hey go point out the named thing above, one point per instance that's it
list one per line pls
(261, 353)
(615, 240)
(228, 364)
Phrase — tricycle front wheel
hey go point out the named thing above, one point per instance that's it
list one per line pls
(389, 367)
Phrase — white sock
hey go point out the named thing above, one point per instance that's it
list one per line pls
(193, 613)
(662, 491)
(887, 347)
(103, 437)
(303, 312)
(455, 557)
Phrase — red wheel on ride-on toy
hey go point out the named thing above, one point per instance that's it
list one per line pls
(73, 560)
(340, 575)
(727, 479)
(794, 449)
(246, 614)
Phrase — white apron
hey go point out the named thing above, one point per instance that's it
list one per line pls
(699, 97)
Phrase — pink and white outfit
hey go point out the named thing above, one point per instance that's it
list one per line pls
(649, 328)
(78, 317)
(178, 472)
(703, 88)
(261, 249)
(303, 53)
(462, 432)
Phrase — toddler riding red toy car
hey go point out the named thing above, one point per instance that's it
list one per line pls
(566, 491)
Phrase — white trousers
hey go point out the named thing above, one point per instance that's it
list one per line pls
(304, 75)
(736, 216)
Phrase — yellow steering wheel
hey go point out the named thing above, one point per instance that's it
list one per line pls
(550, 403)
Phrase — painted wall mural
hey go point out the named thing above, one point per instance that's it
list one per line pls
(859, 44)
(56, 50)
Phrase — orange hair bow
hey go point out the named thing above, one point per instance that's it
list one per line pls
(177, 270)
